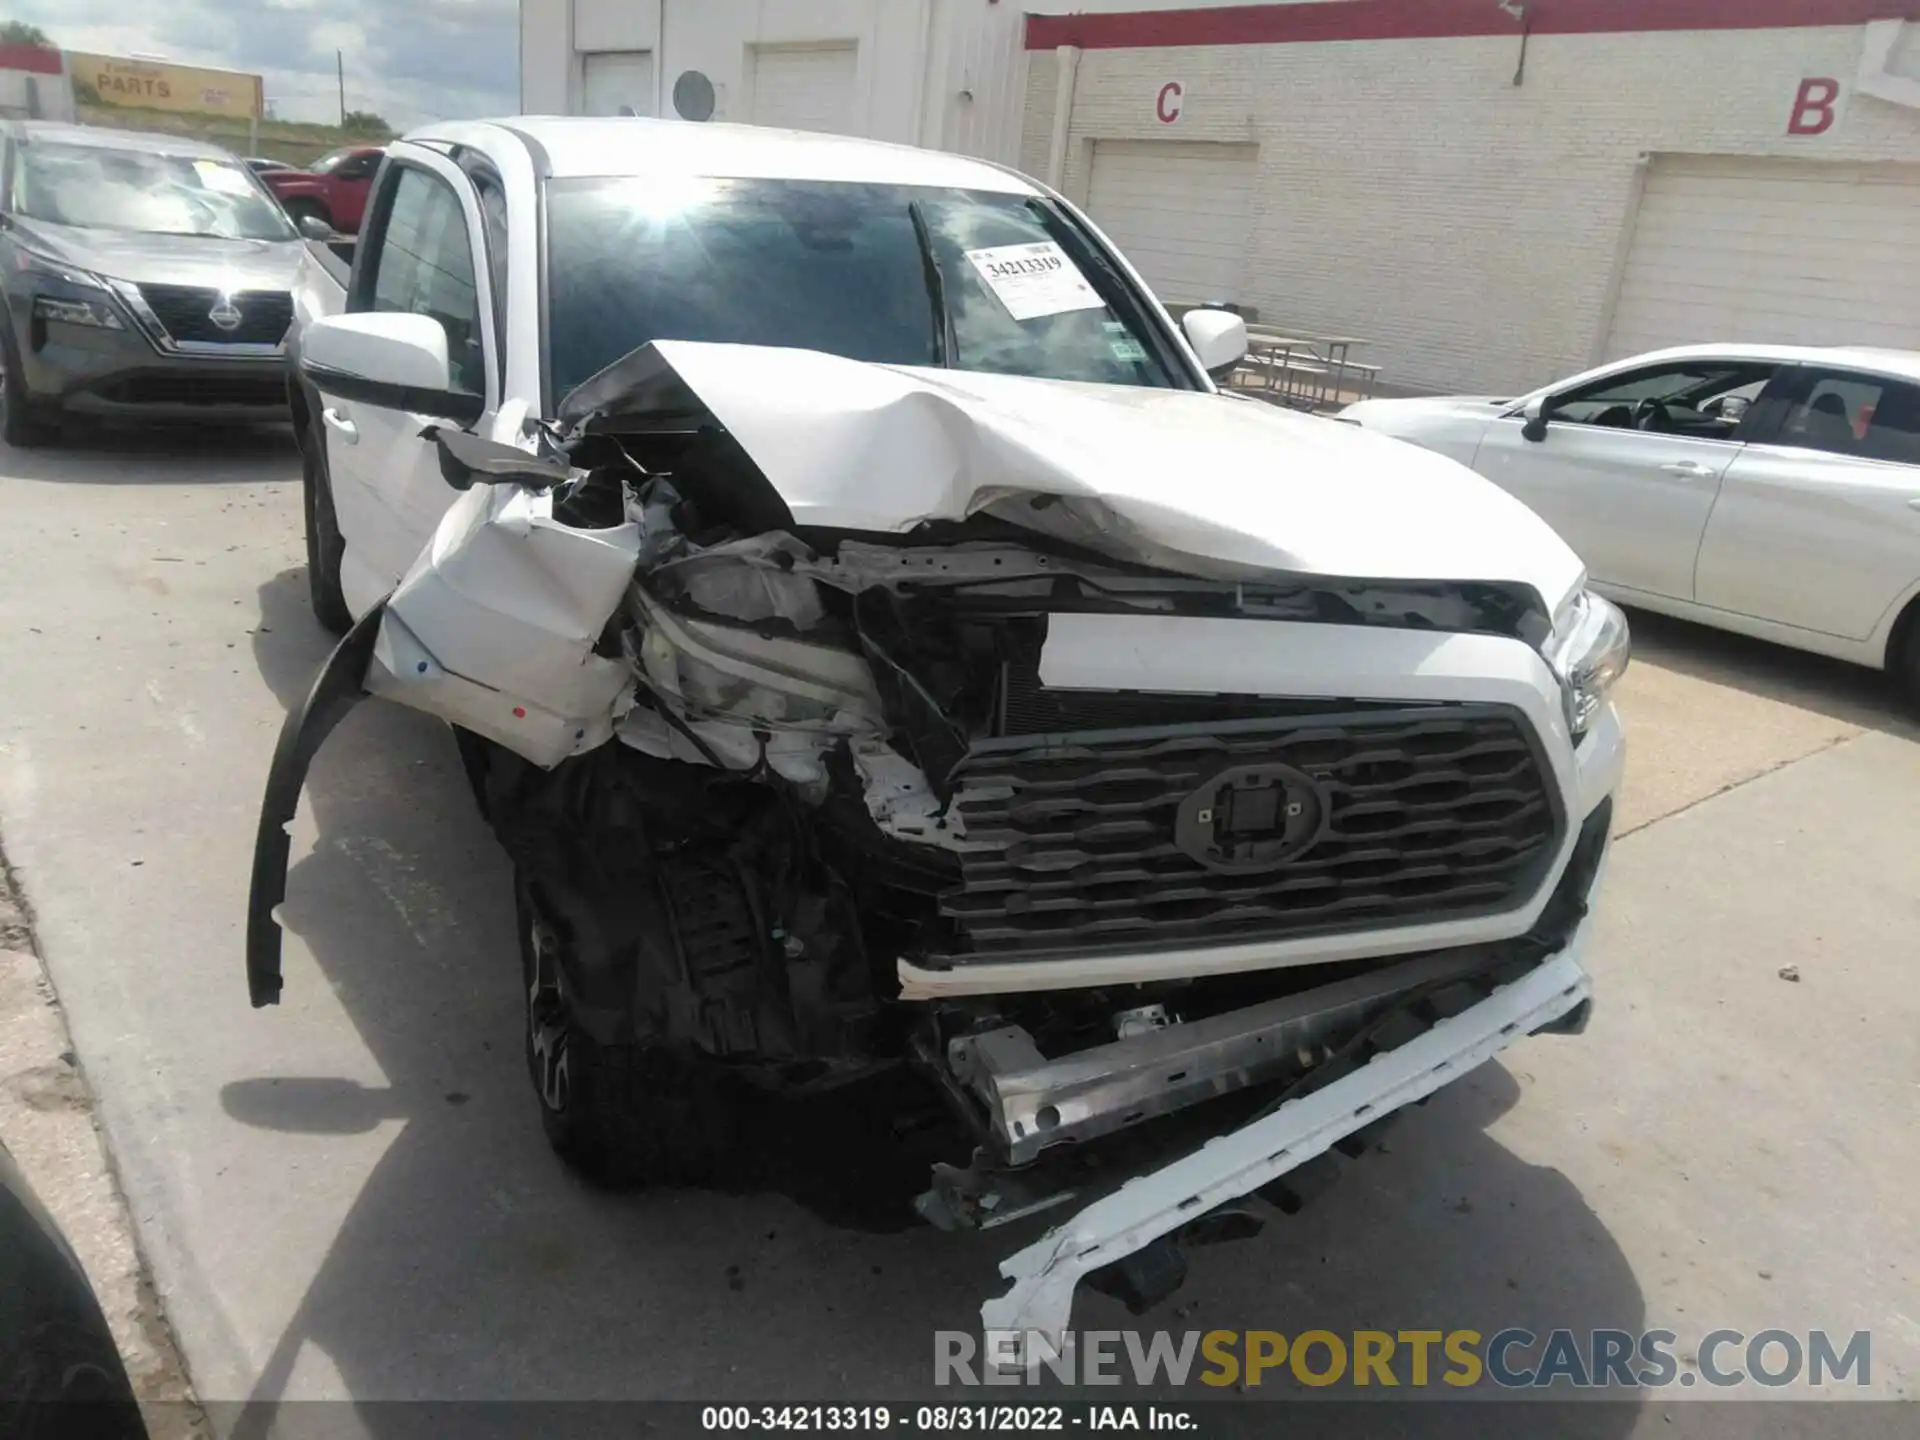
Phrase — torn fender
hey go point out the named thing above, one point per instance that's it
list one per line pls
(493, 629)
(339, 687)
(495, 626)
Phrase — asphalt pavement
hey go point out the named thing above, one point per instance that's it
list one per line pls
(350, 1194)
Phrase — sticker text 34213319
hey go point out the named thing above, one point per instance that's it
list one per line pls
(1034, 280)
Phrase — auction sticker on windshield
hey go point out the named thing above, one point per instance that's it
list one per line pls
(1034, 280)
(228, 179)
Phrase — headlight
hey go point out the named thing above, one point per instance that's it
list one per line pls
(98, 313)
(70, 296)
(1589, 652)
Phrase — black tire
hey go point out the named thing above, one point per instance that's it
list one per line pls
(60, 1376)
(1906, 661)
(620, 1115)
(303, 209)
(325, 544)
(23, 424)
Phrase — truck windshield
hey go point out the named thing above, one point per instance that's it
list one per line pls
(864, 271)
(140, 190)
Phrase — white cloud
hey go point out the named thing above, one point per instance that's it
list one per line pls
(431, 59)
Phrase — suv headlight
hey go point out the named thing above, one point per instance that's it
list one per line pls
(62, 292)
(98, 313)
(1589, 651)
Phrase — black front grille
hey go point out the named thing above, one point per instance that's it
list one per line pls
(1433, 813)
(186, 313)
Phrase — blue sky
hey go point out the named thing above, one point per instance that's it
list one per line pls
(409, 60)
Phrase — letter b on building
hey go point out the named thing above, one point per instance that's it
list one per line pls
(1813, 107)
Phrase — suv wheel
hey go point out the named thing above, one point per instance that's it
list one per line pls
(325, 544)
(22, 423)
(620, 1115)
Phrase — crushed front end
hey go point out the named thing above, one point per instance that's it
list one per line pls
(1164, 872)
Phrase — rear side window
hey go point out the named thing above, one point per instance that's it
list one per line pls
(1852, 414)
(425, 267)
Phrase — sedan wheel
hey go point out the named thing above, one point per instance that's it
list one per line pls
(1906, 665)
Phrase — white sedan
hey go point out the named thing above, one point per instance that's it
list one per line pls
(1768, 489)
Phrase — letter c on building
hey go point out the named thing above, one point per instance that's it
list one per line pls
(1166, 105)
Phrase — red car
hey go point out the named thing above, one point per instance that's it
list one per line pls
(334, 189)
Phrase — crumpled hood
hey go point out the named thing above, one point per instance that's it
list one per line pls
(1217, 484)
(169, 259)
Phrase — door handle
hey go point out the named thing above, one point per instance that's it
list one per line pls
(1687, 469)
(340, 425)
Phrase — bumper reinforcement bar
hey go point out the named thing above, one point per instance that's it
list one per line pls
(1045, 1273)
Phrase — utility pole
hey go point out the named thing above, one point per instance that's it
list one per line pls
(340, 70)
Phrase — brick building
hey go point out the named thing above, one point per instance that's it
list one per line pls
(1492, 193)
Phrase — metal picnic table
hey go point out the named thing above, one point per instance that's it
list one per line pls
(1304, 369)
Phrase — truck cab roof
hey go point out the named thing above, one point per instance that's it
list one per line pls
(575, 146)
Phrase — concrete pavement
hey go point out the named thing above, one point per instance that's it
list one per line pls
(349, 1195)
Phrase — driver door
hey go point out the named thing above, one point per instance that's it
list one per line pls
(423, 253)
(1633, 502)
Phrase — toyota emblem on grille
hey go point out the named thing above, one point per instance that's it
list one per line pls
(1251, 818)
(225, 313)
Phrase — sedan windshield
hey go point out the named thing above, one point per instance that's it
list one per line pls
(145, 192)
(901, 275)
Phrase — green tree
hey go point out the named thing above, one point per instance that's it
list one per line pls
(19, 32)
(365, 122)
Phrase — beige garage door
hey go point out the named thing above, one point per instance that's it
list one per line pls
(1179, 212)
(1772, 250)
(804, 87)
(617, 82)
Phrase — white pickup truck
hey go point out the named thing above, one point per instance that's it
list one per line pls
(889, 661)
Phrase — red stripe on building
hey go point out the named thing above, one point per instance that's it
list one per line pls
(34, 58)
(1440, 19)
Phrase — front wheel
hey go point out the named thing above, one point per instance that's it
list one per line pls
(23, 424)
(325, 544)
(621, 1115)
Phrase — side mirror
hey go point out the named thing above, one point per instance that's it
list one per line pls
(1536, 427)
(1218, 338)
(393, 361)
(314, 228)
